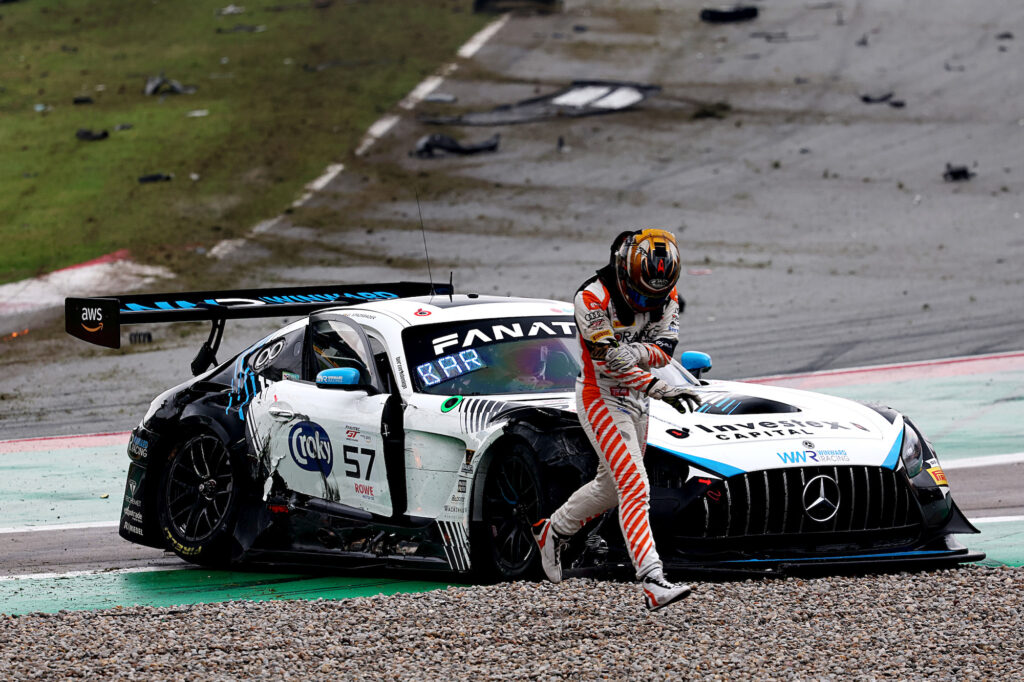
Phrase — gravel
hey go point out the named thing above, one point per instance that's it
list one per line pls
(961, 623)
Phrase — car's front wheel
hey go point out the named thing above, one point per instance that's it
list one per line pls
(197, 500)
(513, 498)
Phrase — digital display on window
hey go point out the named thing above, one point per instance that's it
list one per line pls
(449, 366)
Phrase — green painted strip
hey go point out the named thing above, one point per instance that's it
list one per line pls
(188, 586)
(62, 485)
(963, 416)
(1002, 542)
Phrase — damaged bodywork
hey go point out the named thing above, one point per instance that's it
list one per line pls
(400, 425)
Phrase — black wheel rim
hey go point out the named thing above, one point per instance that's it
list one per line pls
(200, 488)
(511, 503)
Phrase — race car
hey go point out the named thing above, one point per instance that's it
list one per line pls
(402, 425)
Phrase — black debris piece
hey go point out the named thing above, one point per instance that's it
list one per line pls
(1005, 35)
(771, 36)
(954, 67)
(728, 15)
(580, 28)
(123, 126)
(876, 98)
(156, 177)
(509, 5)
(428, 146)
(782, 37)
(160, 85)
(897, 103)
(718, 110)
(862, 41)
(87, 135)
(82, 100)
(581, 98)
(957, 173)
(243, 28)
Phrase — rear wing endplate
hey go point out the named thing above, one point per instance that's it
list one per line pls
(99, 320)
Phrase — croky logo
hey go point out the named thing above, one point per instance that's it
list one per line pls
(93, 316)
(310, 448)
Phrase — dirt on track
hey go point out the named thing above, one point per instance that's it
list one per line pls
(817, 230)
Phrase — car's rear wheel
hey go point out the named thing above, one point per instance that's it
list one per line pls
(513, 498)
(197, 501)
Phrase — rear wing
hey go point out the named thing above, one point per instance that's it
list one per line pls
(99, 320)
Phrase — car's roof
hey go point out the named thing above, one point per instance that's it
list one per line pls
(419, 310)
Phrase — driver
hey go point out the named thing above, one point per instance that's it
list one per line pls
(628, 319)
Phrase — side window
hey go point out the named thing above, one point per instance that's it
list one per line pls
(380, 358)
(334, 340)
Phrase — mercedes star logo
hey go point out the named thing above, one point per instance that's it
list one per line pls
(821, 498)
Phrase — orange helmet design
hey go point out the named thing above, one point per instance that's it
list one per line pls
(647, 268)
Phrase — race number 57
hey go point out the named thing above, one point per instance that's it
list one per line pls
(354, 457)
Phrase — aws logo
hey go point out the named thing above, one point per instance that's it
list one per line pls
(93, 317)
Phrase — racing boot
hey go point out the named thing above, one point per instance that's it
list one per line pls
(659, 592)
(550, 545)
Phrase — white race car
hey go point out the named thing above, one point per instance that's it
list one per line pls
(401, 425)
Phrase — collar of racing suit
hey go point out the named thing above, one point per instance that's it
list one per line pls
(625, 312)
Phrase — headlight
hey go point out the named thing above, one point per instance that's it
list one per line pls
(913, 452)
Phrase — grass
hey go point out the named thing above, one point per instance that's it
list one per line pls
(273, 125)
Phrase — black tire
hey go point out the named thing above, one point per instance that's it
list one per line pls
(513, 498)
(198, 499)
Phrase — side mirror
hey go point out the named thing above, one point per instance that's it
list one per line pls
(695, 362)
(339, 377)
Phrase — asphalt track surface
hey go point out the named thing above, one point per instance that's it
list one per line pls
(818, 231)
(62, 549)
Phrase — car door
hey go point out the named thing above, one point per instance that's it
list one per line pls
(325, 440)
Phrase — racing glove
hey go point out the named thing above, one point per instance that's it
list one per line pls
(626, 356)
(682, 399)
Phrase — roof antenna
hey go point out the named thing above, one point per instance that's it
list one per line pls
(423, 231)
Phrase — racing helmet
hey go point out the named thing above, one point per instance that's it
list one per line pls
(647, 268)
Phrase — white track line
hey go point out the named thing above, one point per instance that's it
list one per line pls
(59, 526)
(312, 188)
(989, 461)
(429, 84)
(375, 132)
(474, 44)
(79, 574)
(997, 519)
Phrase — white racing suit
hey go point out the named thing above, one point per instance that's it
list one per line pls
(613, 410)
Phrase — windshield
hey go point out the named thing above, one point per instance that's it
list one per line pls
(487, 357)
